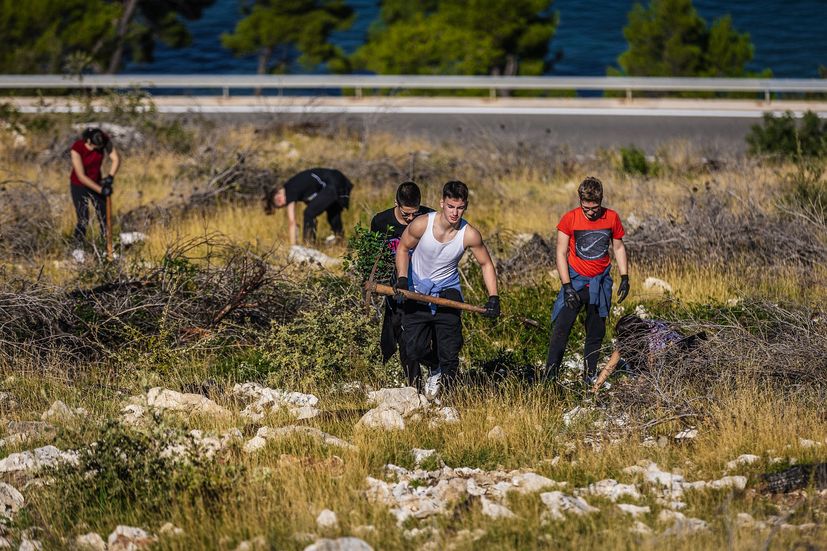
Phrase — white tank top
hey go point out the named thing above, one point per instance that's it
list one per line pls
(434, 265)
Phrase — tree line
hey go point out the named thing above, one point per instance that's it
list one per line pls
(429, 37)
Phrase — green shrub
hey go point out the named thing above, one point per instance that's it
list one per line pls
(366, 249)
(633, 161)
(331, 340)
(126, 472)
(785, 138)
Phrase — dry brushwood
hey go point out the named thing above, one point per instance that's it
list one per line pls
(757, 343)
(710, 225)
(203, 287)
(27, 224)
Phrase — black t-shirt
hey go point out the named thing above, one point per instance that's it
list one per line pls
(385, 221)
(306, 184)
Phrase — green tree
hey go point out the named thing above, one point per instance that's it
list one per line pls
(669, 38)
(284, 31)
(142, 23)
(49, 36)
(499, 37)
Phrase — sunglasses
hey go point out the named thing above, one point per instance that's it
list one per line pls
(409, 215)
(591, 209)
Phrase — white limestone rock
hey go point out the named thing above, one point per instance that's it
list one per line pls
(559, 503)
(339, 544)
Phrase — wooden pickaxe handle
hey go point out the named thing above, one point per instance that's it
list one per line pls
(387, 290)
(109, 227)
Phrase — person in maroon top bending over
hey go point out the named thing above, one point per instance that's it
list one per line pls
(584, 237)
(87, 181)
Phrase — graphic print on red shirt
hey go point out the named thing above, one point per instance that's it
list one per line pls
(589, 241)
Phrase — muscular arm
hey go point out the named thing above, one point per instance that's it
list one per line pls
(292, 228)
(562, 257)
(115, 161)
(620, 256)
(409, 240)
(473, 240)
(77, 164)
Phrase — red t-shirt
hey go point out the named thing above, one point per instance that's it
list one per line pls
(589, 241)
(92, 159)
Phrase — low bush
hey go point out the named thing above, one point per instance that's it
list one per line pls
(785, 138)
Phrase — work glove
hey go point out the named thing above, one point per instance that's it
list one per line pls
(571, 297)
(108, 181)
(492, 307)
(400, 285)
(623, 290)
(106, 191)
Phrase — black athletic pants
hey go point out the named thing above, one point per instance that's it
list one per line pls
(420, 329)
(327, 200)
(391, 339)
(595, 331)
(81, 195)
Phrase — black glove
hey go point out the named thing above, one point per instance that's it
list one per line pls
(571, 297)
(108, 181)
(106, 191)
(623, 290)
(400, 285)
(492, 307)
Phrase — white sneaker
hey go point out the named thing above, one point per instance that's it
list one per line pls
(79, 255)
(433, 387)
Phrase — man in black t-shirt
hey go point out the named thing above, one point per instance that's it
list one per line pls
(322, 190)
(392, 224)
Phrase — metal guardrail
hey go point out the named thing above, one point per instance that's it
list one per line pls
(225, 83)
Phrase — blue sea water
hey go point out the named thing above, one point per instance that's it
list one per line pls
(789, 36)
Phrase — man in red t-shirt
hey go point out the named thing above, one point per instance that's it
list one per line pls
(584, 237)
(87, 180)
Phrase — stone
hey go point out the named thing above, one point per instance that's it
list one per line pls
(30, 545)
(58, 412)
(807, 443)
(29, 462)
(339, 544)
(269, 433)
(634, 510)
(193, 404)
(529, 483)
(575, 413)
(737, 482)
(497, 433)
(404, 400)
(380, 418)
(651, 283)
(129, 538)
(421, 455)
(745, 459)
(4, 543)
(304, 412)
(687, 434)
(559, 503)
(257, 543)
(132, 238)
(170, 530)
(444, 416)
(132, 414)
(495, 510)
(612, 490)
(640, 529)
(23, 432)
(681, 524)
(327, 520)
(268, 400)
(300, 254)
(90, 542)
(11, 501)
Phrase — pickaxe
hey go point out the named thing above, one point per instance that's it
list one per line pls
(386, 290)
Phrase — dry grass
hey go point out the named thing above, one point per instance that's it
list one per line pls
(281, 489)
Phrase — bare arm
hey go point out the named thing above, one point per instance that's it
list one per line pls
(292, 228)
(77, 164)
(608, 370)
(620, 256)
(409, 240)
(562, 257)
(115, 161)
(473, 240)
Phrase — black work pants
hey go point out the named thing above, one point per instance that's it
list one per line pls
(81, 195)
(392, 339)
(421, 328)
(327, 200)
(595, 331)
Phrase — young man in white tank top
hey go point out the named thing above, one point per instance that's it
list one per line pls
(438, 242)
